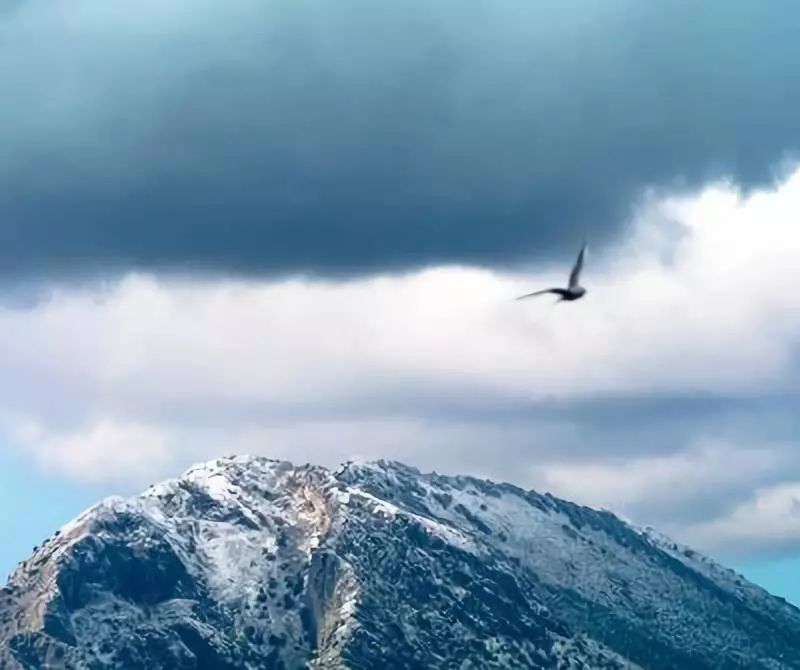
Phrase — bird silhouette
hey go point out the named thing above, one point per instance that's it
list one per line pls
(574, 290)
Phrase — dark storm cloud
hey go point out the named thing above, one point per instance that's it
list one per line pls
(354, 136)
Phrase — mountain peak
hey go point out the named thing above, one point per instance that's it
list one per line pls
(248, 562)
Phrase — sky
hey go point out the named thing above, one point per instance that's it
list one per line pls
(296, 228)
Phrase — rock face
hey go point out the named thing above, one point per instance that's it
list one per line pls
(251, 563)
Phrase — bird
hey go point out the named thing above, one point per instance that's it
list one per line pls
(574, 290)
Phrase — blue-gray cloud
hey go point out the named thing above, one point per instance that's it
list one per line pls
(312, 136)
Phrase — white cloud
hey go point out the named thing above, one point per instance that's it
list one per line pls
(105, 450)
(666, 481)
(132, 379)
(771, 518)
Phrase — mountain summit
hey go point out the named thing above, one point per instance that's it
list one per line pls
(249, 563)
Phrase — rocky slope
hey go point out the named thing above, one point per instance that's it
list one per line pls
(250, 563)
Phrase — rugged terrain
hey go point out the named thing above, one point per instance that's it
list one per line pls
(251, 563)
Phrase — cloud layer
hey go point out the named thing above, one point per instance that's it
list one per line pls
(668, 394)
(307, 136)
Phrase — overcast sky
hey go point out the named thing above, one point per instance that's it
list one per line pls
(296, 228)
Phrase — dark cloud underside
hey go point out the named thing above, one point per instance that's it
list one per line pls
(354, 136)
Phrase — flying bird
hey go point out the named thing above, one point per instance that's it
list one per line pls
(574, 291)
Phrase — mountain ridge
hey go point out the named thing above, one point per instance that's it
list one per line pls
(247, 562)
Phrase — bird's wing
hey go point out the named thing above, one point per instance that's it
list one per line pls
(575, 275)
(557, 291)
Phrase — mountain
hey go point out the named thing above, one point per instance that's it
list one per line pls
(253, 563)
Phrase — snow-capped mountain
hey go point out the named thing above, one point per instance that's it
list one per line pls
(250, 563)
